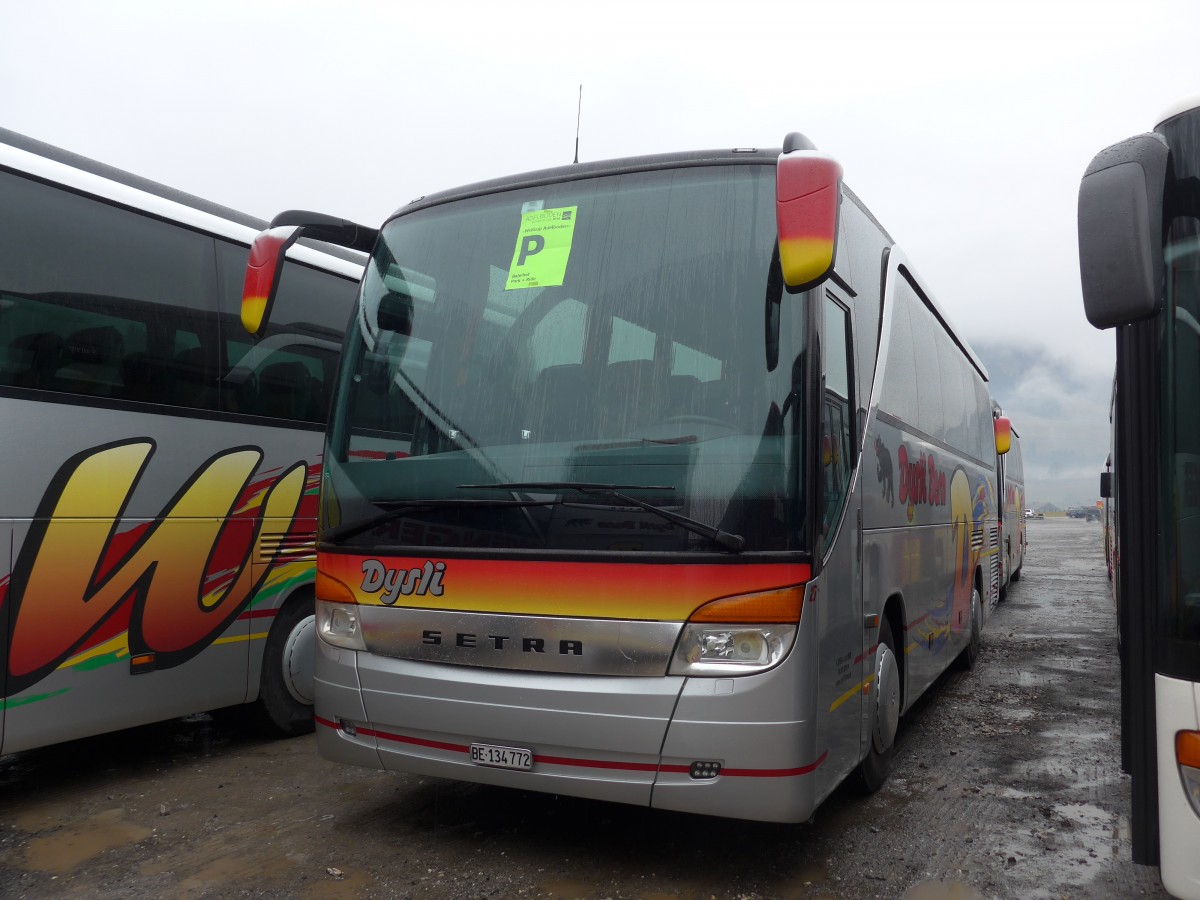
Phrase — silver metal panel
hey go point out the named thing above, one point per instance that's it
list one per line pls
(563, 645)
(591, 736)
(762, 729)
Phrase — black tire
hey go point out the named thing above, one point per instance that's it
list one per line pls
(872, 772)
(970, 653)
(284, 705)
(1016, 576)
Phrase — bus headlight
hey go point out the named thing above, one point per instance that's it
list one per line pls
(739, 635)
(338, 624)
(726, 650)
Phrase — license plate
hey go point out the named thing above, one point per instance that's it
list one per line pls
(501, 757)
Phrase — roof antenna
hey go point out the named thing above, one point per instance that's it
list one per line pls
(578, 116)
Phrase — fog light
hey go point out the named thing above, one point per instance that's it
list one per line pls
(338, 624)
(705, 769)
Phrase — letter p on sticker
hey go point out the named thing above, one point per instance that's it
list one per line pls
(530, 244)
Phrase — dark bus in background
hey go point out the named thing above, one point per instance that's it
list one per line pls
(1139, 253)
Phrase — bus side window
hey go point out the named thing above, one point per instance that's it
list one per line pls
(94, 295)
(837, 423)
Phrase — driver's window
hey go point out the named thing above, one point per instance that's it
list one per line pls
(836, 420)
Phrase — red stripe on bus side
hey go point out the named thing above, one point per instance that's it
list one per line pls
(776, 773)
(866, 655)
(585, 763)
(917, 622)
(258, 614)
(420, 742)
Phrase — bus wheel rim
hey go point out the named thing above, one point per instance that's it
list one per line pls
(299, 660)
(887, 699)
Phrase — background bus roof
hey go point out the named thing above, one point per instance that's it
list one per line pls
(146, 186)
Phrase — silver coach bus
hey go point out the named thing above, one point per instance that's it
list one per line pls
(659, 480)
(158, 505)
(1010, 479)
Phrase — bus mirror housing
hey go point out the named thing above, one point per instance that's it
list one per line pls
(808, 193)
(267, 253)
(262, 275)
(1121, 231)
(1003, 429)
(1106, 485)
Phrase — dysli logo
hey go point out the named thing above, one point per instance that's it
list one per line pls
(397, 583)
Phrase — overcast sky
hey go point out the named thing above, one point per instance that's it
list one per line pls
(965, 126)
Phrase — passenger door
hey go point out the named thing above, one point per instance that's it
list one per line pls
(840, 636)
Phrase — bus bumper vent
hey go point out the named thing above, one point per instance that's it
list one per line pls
(705, 769)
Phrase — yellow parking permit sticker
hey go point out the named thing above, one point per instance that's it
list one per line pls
(543, 247)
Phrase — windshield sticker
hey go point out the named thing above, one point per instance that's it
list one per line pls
(543, 247)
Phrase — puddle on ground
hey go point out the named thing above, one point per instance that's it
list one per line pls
(1065, 848)
(59, 852)
(942, 890)
(1096, 831)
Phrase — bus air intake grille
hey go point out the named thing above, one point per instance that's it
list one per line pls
(294, 545)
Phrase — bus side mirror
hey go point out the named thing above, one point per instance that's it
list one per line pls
(270, 247)
(1003, 429)
(808, 193)
(262, 275)
(1121, 231)
(1106, 485)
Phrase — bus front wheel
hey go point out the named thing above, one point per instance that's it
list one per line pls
(285, 694)
(873, 771)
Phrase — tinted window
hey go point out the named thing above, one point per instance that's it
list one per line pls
(101, 301)
(899, 396)
(836, 438)
(929, 371)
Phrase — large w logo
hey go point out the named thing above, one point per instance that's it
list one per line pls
(71, 575)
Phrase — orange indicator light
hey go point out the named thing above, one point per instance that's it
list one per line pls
(332, 590)
(779, 606)
(1187, 748)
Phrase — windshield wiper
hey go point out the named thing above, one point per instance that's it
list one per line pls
(732, 542)
(409, 507)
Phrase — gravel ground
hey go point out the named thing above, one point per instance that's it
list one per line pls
(1006, 784)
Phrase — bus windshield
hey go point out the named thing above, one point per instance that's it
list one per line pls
(513, 352)
(1179, 615)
